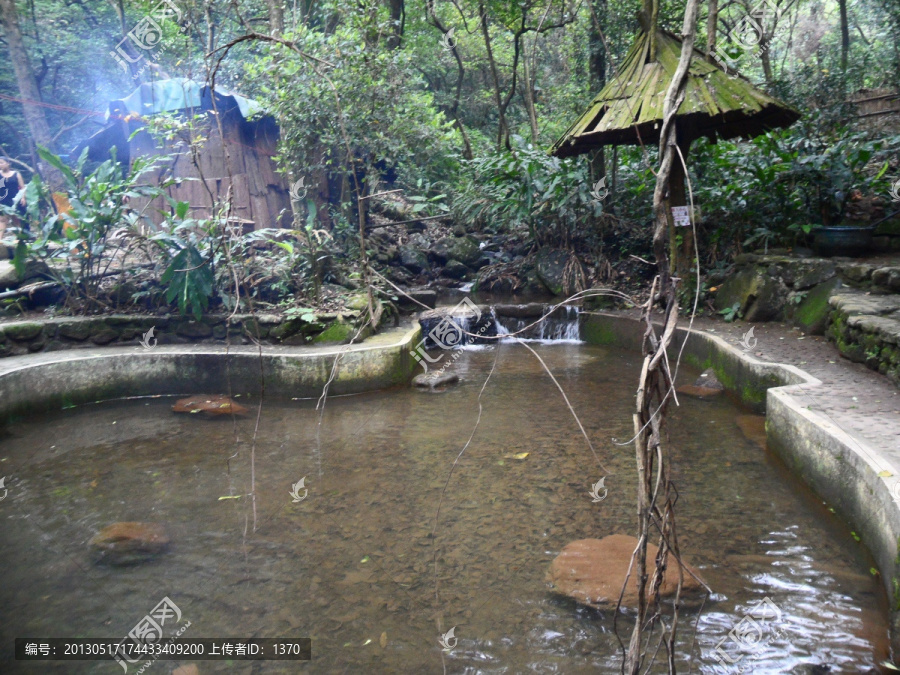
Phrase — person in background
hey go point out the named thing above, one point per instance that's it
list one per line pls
(11, 184)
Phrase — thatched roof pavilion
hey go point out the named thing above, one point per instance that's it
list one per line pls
(717, 103)
(629, 111)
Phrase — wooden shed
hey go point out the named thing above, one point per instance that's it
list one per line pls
(241, 156)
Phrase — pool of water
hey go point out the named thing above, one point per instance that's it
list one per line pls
(352, 564)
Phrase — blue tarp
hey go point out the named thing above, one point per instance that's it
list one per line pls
(179, 93)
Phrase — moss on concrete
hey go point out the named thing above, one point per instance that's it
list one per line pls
(26, 330)
(337, 333)
(598, 333)
(811, 314)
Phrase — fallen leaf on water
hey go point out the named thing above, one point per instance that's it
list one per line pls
(383, 640)
(885, 474)
(518, 455)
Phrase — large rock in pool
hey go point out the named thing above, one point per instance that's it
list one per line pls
(592, 571)
(434, 380)
(706, 385)
(128, 543)
(208, 405)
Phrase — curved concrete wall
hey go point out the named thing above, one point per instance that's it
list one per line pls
(51, 381)
(842, 470)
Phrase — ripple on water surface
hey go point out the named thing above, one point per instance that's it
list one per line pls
(352, 564)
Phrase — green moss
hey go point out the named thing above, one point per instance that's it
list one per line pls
(812, 313)
(336, 333)
(752, 395)
(598, 333)
(23, 331)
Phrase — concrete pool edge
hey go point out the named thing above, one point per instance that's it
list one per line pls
(54, 380)
(841, 469)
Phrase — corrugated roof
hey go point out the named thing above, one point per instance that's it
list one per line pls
(179, 93)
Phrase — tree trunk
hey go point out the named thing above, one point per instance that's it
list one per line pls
(597, 69)
(712, 26)
(119, 9)
(681, 256)
(845, 35)
(597, 48)
(765, 58)
(397, 20)
(648, 18)
(28, 88)
(655, 492)
(529, 101)
(460, 76)
(501, 124)
(276, 16)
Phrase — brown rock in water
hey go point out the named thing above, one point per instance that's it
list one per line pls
(435, 380)
(706, 385)
(753, 427)
(708, 380)
(592, 571)
(129, 542)
(209, 405)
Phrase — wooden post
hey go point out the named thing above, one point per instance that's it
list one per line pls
(681, 256)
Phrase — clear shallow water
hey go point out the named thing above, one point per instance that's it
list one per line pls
(354, 560)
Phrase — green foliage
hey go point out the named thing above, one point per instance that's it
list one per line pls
(189, 281)
(389, 117)
(776, 187)
(78, 244)
(731, 313)
(527, 189)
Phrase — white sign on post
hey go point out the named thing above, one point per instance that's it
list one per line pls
(681, 216)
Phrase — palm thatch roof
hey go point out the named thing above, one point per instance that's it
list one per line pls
(716, 103)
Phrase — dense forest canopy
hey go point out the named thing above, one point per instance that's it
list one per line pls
(550, 54)
(456, 103)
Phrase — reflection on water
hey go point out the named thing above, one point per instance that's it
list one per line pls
(352, 564)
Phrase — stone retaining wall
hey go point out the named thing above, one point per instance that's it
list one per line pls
(45, 382)
(55, 334)
(797, 290)
(866, 329)
(852, 477)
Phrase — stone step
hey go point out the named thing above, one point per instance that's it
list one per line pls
(866, 329)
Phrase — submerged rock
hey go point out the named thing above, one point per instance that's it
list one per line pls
(592, 572)
(128, 543)
(706, 385)
(754, 428)
(431, 381)
(209, 405)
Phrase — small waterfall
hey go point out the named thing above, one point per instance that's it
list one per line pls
(560, 326)
(467, 325)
